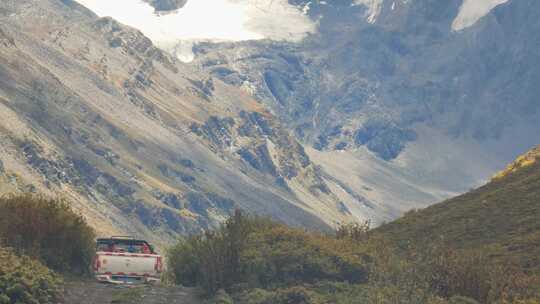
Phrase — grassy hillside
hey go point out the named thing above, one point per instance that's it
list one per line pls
(481, 247)
(250, 260)
(501, 218)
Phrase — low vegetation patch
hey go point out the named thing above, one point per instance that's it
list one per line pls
(25, 280)
(47, 230)
(258, 261)
(128, 295)
(254, 252)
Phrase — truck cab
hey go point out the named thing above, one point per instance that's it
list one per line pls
(125, 260)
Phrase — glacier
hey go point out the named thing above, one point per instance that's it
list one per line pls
(208, 20)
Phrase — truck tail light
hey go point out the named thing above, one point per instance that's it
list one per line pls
(97, 263)
(159, 265)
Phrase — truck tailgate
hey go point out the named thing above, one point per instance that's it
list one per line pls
(128, 264)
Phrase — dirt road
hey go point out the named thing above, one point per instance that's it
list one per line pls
(90, 292)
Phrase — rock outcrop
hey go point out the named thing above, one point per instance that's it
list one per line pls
(167, 5)
(526, 160)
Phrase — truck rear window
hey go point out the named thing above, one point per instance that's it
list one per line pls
(120, 245)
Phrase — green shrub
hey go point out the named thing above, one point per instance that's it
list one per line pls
(290, 295)
(125, 296)
(337, 293)
(212, 260)
(26, 281)
(49, 230)
(221, 297)
(284, 256)
(255, 252)
(254, 296)
(183, 263)
(356, 231)
(261, 262)
(295, 295)
(469, 274)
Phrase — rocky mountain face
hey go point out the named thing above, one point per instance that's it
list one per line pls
(369, 77)
(141, 143)
(401, 97)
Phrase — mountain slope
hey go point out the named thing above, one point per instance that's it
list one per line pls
(140, 142)
(396, 105)
(502, 217)
(441, 107)
(360, 83)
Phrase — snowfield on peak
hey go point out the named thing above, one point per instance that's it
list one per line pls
(190, 22)
(473, 10)
(208, 20)
(469, 13)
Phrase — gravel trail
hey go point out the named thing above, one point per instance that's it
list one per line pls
(89, 292)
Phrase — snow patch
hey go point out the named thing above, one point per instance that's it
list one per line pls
(306, 8)
(472, 10)
(277, 20)
(182, 49)
(374, 8)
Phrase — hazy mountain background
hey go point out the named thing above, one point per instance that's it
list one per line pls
(313, 112)
(406, 102)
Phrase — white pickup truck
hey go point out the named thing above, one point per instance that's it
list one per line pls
(124, 260)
